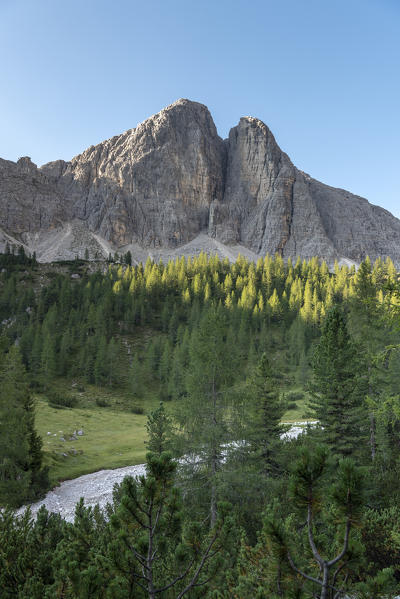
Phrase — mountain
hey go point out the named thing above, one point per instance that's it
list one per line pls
(172, 186)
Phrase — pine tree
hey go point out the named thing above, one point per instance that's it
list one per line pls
(263, 414)
(202, 414)
(154, 553)
(21, 473)
(338, 388)
(310, 495)
(369, 328)
(159, 429)
(48, 356)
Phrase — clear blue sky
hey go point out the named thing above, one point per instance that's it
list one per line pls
(324, 75)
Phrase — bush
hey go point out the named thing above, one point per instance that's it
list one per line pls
(291, 405)
(78, 387)
(164, 395)
(58, 400)
(137, 410)
(102, 403)
(37, 384)
(293, 396)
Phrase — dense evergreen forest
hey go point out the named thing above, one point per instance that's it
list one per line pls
(228, 351)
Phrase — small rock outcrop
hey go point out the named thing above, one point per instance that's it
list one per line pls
(172, 179)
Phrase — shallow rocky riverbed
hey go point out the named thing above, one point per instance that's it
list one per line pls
(98, 486)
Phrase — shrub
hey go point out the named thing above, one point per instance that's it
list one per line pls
(293, 396)
(101, 402)
(58, 400)
(137, 410)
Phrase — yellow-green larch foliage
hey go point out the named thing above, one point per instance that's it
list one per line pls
(207, 292)
(147, 267)
(239, 283)
(259, 267)
(228, 284)
(260, 301)
(117, 287)
(340, 278)
(304, 269)
(127, 275)
(267, 276)
(378, 275)
(350, 289)
(390, 269)
(306, 311)
(186, 296)
(297, 267)
(228, 302)
(152, 277)
(275, 304)
(296, 295)
(324, 271)
(182, 272)
(189, 266)
(197, 284)
(290, 269)
(248, 297)
(215, 278)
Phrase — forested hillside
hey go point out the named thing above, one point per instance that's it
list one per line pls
(232, 352)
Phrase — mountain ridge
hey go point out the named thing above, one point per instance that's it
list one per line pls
(160, 185)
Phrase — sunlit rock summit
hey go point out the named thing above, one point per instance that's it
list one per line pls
(172, 186)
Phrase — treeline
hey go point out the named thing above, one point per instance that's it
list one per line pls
(17, 256)
(131, 326)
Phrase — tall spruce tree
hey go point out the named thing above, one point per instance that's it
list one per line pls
(372, 332)
(159, 429)
(264, 410)
(21, 473)
(203, 412)
(338, 387)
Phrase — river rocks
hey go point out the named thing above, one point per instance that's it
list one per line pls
(171, 181)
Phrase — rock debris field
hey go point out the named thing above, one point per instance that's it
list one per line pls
(97, 488)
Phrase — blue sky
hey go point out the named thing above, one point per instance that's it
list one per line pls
(324, 75)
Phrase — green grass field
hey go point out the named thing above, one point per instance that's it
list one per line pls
(298, 414)
(111, 439)
(113, 436)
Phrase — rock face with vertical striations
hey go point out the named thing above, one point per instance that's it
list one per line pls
(171, 181)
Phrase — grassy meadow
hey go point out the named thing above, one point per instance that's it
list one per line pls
(111, 438)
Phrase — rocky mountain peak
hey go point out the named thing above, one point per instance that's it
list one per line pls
(171, 179)
(26, 165)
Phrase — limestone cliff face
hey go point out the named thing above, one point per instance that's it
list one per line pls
(271, 206)
(29, 200)
(151, 185)
(172, 178)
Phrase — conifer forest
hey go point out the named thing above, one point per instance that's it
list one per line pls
(215, 361)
